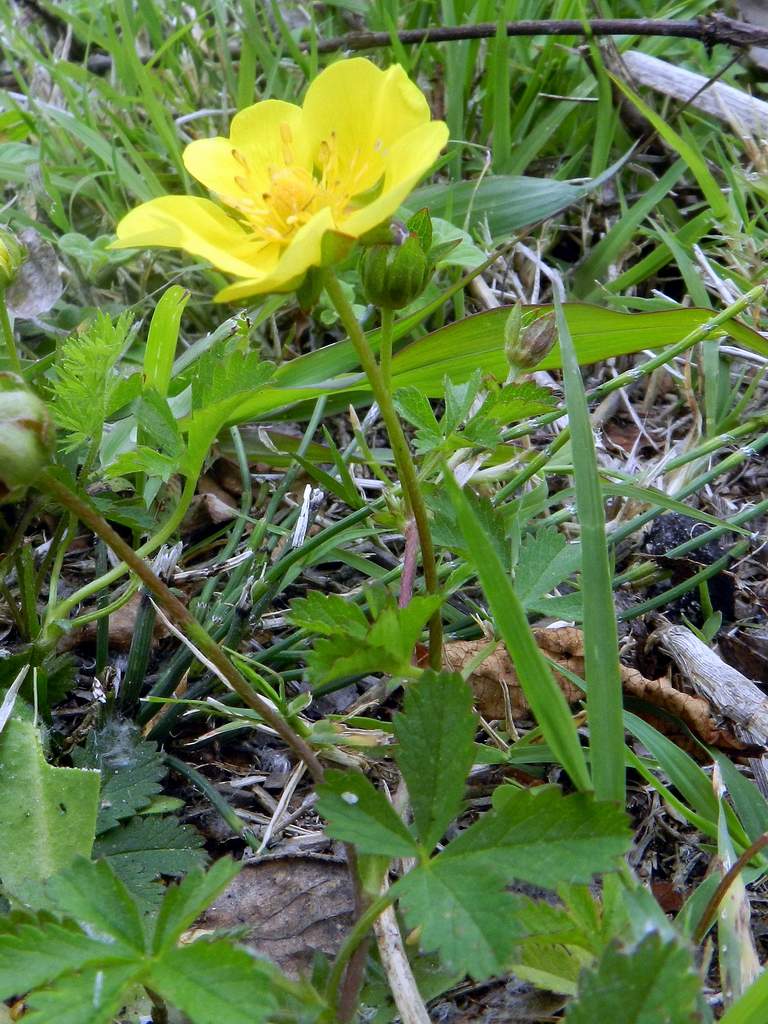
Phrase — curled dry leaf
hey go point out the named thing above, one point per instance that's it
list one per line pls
(565, 646)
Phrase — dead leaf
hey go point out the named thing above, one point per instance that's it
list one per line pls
(37, 285)
(292, 907)
(565, 646)
(122, 626)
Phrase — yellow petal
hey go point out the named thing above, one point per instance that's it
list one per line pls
(408, 161)
(199, 227)
(364, 109)
(264, 135)
(304, 251)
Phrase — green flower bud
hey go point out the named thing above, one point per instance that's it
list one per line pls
(395, 273)
(12, 255)
(26, 437)
(526, 345)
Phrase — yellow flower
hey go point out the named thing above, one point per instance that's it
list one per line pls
(344, 162)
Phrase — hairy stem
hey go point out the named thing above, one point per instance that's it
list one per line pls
(403, 461)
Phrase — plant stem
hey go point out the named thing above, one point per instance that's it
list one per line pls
(183, 618)
(7, 331)
(360, 929)
(385, 351)
(401, 453)
(726, 882)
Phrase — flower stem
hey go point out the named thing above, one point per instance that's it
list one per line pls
(360, 929)
(403, 461)
(7, 332)
(187, 623)
(385, 352)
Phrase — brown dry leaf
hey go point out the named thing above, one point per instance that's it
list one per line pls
(122, 625)
(565, 646)
(291, 906)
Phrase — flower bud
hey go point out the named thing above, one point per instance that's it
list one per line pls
(12, 254)
(526, 345)
(26, 437)
(396, 272)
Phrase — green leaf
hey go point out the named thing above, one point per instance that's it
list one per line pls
(36, 950)
(653, 983)
(467, 919)
(90, 892)
(545, 560)
(94, 996)
(157, 424)
(353, 646)
(131, 769)
(183, 903)
(601, 645)
(85, 377)
(147, 847)
(357, 813)
(329, 615)
(163, 337)
(477, 342)
(542, 692)
(436, 750)
(544, 838)
(47, 814)
(214, 983)
(518, 401)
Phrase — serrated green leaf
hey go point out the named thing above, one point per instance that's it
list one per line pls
(386, 644)
(214, 983)
(467, 919)
(654, 983)
(157, 424)
(85, 377)
(94, 996)
(220, 376)
(544, 838)
(35, 950)
(519, 401)
(435, 733)
(131, 769)
(357, 813)
(183, 903)
(47, 814)
(544, 561)
(90, 892)
(328, 615)
(147, 847)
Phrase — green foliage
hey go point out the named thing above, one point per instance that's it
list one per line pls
(350, 644)
(139, 847)
(81, 968)
(85, 380)
(459, 899)
(654, 982)
(47, 814)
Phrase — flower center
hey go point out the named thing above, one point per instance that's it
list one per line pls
(294, 194)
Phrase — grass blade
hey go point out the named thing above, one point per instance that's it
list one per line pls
(542, 692)
(601, 642)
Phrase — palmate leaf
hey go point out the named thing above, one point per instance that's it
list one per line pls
(435, 734)
(83, 972)
(654, 983)
(459, 901)
(352, 645)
